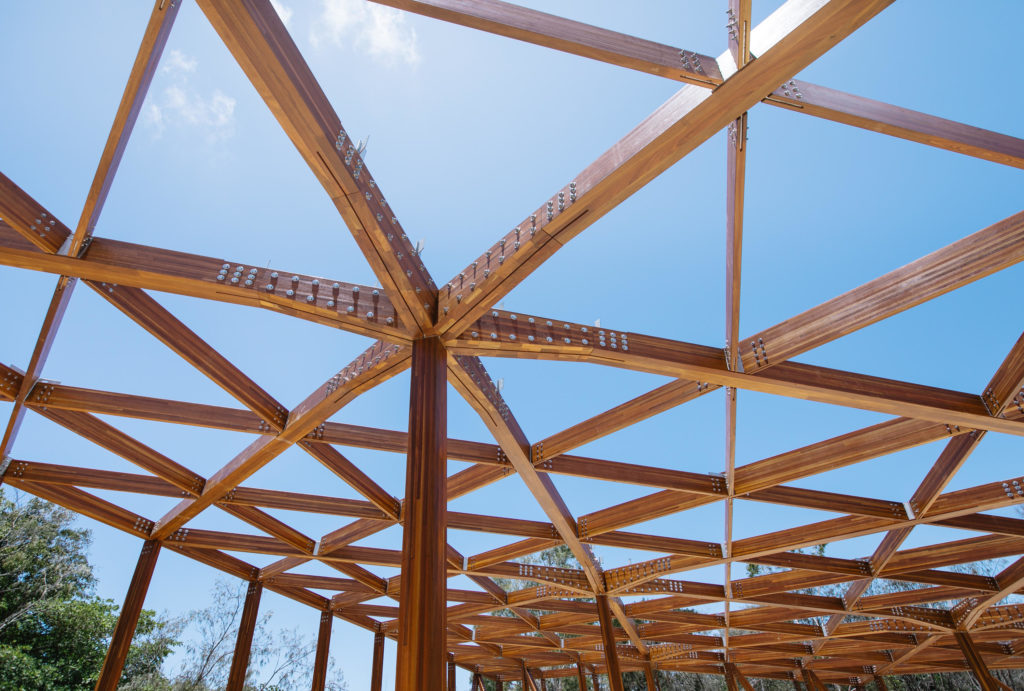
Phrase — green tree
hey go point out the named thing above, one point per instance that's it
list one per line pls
(54, 631)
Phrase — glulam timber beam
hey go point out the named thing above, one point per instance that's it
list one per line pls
(471, 380)
(787, 41)
(47, 334)
(500, 335)
(978, 255)
(157, 31)
(377, 364)
(692, 67)
(117, 263)
(259, 41)
(976, 661)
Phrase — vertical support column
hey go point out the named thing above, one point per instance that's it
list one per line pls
(377, 674)
(608, 636)
(499, 685)
(975, 660)
(880, 683)
(595, 680)
(421, 611)
(582, 679)
(323, 651)
(243, 644)
(738, 677)
(528, 682)
(451, 672)
(121, 641)
(652, 682)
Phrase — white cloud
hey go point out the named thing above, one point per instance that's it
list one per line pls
(176, 61)
(180, 105)
(283, 11)
(380, 31)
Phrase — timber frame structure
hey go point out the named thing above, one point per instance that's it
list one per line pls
(441, 330)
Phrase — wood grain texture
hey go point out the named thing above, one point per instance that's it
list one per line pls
(243, 640)
(121, 640)
(421, 653)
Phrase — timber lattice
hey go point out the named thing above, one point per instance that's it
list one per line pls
(863, 636)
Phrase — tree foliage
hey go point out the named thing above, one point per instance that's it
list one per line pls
(276, 662)
(54, 631)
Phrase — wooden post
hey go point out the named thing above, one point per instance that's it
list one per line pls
(652, 681)
(243, 644)
(608, 636)
(880, 683)
(582, 677)
(323, 650)
(377, 674)
(528, 682)
(499, 685)
(121, 641)
(451, 672)
(975, 660)
(733, 672)
(595, 680)
(421, 611)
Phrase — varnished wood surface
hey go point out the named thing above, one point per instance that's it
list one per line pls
(243, 639)
(421, 650)
(121, 640)
(755, 630)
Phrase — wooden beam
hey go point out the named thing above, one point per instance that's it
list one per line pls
(153, 41)
(123, 264)
(503, 336)
(649, 677)
(642, 407)
(581, 678)
(47, 333)
(976, 662)
(681, 65)
(323, 651)
(471, 380)
(421, 615)
(964, 261)
(611, 655)
(243, 641)
(377, 364)
(128, 619)
(256, 36)
(377, 665)
(786, 42)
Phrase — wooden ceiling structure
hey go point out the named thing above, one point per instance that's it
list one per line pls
(440, 331)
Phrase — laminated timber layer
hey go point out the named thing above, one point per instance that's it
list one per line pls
(598, 619)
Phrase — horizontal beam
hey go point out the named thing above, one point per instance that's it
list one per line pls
(507, 334)
(121, 263)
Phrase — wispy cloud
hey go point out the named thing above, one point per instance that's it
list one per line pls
(181, 106)
(380, 31)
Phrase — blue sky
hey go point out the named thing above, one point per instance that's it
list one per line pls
(468, 133)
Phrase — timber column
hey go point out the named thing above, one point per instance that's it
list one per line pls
(243, 643)
(121, 641)
(323, 651)
(611, 655)
(377, 673)
(421, 610)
